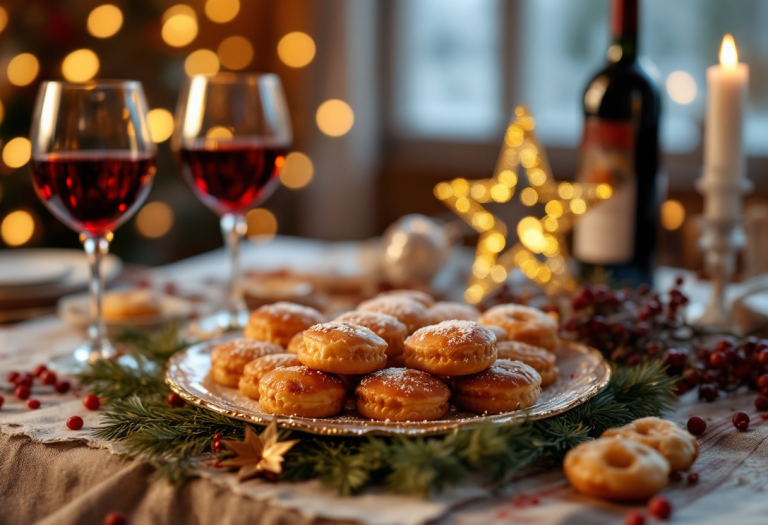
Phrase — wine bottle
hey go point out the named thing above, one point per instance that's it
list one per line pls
(615, 240)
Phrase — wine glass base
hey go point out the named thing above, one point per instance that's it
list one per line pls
(218, 323)
(88, 353)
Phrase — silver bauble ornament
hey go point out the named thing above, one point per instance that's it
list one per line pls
(415, 248)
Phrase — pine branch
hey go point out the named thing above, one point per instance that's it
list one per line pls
(158, 348)
(110, 379)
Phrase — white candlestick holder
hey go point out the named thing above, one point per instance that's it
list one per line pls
(722, 238)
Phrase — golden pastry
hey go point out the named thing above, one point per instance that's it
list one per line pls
(504, 387)
(296, 343)
(451, 348)
(343, 348)
(414, 295)
(544, 362)
(616, 469)
(447, 311)
(383, 325)
(409, 312)
(524, 324)
(499, 332)
(279, 322)
(130, 303)
(299, 391)
(677, 445)
(402, 394)
(256, 369)
(228, 359)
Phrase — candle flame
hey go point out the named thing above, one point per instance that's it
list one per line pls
(729, 58)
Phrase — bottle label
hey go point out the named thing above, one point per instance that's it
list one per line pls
(606, 233)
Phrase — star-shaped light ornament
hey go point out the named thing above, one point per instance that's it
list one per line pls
(258, 454)
(541, 252)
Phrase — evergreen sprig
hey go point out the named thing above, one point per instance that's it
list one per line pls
(174, 439)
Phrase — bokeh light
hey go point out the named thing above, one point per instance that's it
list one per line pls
(160, 122)
(105, 21)
(262, 225)
(235, 52)
(3, 18)
(681, 87)
(17, 228)
(219, 132)
(672, 214)
(22, 69)
(222, 11)
(179, 9)
(80, 65)
(2, 111)
(154, 220)
(17, 152)
(335, 118)
(296, 49)
(180, 29)
(201, 62)
(297, 171)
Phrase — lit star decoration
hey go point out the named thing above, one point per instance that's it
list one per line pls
(542, 252)
(257, 454)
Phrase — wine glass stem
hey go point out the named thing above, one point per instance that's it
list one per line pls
(96, 248)
(233, 227)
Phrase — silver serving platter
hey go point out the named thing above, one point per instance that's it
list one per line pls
(583, 373)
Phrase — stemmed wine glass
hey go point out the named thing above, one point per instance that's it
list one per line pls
(93, 163)
(231, 137)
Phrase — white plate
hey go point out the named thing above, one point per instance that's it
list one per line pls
(18, 269)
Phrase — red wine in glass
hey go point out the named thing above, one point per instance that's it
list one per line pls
(93, 191)
(231, 177)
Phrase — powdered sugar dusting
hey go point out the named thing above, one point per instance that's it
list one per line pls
(395, 305)
(286, 311)
(247, 347)
(377, 321)
(404, 380)
(338, 330)
(456, 332)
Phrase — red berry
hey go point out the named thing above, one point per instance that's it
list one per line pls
(633, 359)
(634, 517)
(39, 369)
(2, 400)
(114, 518)
(697, 426)
(693, 477)
(723, 345)
(761, 403)
(692, 378)
(12, 377)
(659, 507)
(22, 391)
(62, 386)
(717, 359)
(216, 437)
(75, 423)
(762, 381)
(217, 446)
(174, 400)
(681, 388)
(48, 377)
(33, 404)
(25, 380)
(91, 402)
(740, 421)
(708, 393)
(762, 357)
(679, 280)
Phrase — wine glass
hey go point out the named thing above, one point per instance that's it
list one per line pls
(231, 137)
(93, 163)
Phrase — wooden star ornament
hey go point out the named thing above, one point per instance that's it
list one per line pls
(541, 252)
(258, 454)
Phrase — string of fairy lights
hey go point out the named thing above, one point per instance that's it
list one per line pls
(178, 29)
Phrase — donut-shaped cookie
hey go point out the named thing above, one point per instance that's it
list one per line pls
(256, 369)
(296, 343)
(504, 387)
(446, 311)
(402, 394)
(343, 348)
(409, 312)
(383, 325)
(524, 324)
(451, 348)
(228, 359)
(299, 391)
(679, 446)
(616, 469)
(544, 362)
(414, 295)
(279, 322)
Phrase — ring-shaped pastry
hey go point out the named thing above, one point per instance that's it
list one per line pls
(451, 348)
(229, 359)
(414, 295)
(679, 446)
(280, 321)
(402, 394)
(258, 368)
(504, 387)
(524, 324)
(343, 348)
(299, 391)
(447, 311)
(409, 312)
(616, 469)
(543, 361)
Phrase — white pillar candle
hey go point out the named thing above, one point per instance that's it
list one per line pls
(724, 164)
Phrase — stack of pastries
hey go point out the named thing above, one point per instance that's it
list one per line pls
(401, 356)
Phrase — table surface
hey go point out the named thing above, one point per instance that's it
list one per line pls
(51, 475)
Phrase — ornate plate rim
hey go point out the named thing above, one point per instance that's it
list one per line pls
(380, 428)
